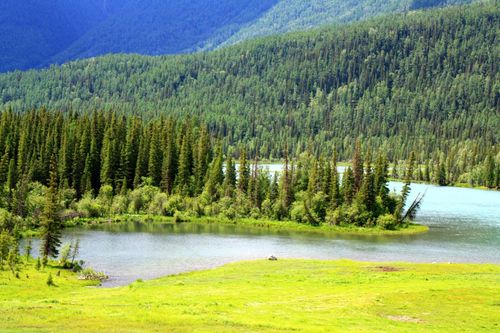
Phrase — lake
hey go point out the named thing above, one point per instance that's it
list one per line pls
(464, 227)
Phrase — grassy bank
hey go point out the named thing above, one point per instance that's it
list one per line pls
(257, 223)
(263, 296)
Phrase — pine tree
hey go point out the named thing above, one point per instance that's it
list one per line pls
(185, 170)
(229, 177)
(348, 190)
(335, 195)
(155, 157)
(169, 161)
(51, 227)
(490, 171)
(216, 177)
(202, 160)
(357, 166)
(367, 193)
(243, 172)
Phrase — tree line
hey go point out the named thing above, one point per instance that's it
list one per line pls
(424, 82)
(56, 167)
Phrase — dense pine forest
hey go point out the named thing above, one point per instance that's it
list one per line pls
(58, 167)
(424, 82)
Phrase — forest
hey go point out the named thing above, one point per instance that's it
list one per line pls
(412, 98)
(35, 34)
(58, 167)
(425, 82)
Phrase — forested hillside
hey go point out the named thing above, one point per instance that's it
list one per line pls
(295, 15)
(38, 33)
(426, 82)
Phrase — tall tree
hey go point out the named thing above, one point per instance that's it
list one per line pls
(50, 231)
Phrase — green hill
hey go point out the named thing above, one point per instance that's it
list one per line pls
(423, 80)
(38, 33)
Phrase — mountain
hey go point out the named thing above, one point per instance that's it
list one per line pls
(425, 81)
(295, 15)
(37, 33)
(32, 31)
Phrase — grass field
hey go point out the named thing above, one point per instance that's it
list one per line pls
(263, 296)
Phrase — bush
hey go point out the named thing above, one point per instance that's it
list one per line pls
(91, 275)
(179, 217)
(387, 222)
(141, 198)
(319, 203)
(64, 254)
(105, 197)
(298, 212)
(158, 204)
(90, 207)
(120, 205)
(174, 204)
(50, 280)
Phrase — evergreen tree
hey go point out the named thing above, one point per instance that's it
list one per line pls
(243, 172)
(51, 227)
(229, 177)
(348, 189)
(357, 166)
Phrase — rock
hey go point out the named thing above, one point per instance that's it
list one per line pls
(273, 258)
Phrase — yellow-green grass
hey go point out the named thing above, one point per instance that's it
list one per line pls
(249, 223)
(263, 296)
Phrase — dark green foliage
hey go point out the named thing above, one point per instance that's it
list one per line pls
(424, 82)
(50, 281)
(50, 232)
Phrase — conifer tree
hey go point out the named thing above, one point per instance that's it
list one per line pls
(335, 195)
(348, 190)
(357, 166)
(243, 172)
(50, 225)
(229, 177)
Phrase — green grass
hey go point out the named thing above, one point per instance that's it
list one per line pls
(250, 223)
(263, 296)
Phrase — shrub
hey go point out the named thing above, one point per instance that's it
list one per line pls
(50, 280)
(158, 204)
(141, 198)
(387, 221)
(298, 212)
(91, 275)
(174, 204)
(64, 254)
(119, 205)
(90, 207)
(179, 217)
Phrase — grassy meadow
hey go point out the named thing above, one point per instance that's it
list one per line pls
(262, 296)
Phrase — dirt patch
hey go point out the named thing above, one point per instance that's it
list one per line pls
(386, 269)
(405, 319)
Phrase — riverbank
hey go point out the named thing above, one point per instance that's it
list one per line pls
(291, 226)
(262, 296)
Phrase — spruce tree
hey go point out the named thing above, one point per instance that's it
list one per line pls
(357, 166)
(243, 172)
(50, 227)
(348, 190)
(229, 177)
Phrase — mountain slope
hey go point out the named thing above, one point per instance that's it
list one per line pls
(425, 81)
(295, 15)
(39, 33)
(33, 31)
(156, 27)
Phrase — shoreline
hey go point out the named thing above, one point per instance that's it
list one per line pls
(260, 224)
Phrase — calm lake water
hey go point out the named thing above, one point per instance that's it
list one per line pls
(464, 227)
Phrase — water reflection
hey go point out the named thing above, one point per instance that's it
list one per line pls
(464, 227)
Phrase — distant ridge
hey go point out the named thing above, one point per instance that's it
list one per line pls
(38, 33)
